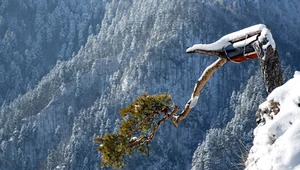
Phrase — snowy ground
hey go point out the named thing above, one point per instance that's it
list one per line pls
(276, 144)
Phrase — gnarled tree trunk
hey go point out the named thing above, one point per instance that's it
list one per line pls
(270, 66)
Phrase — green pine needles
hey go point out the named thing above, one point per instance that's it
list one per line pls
(140, 121)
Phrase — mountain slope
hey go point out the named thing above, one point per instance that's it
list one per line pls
(36, 34)
(139, 48)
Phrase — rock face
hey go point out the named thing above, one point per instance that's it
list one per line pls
(129, 47)
(276, 140)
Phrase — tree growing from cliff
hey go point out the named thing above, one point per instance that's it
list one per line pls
(143, 117)
(140, 121)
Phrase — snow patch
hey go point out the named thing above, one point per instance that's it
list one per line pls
(277, 143)
(297, 74)
(266, 34)
(194, 101)
(134, 138)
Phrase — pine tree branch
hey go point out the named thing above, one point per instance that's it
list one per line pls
(146, 139)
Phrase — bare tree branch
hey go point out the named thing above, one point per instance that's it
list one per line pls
(197, 90)
(206, 52)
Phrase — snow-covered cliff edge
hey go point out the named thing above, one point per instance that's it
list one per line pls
(277, 140)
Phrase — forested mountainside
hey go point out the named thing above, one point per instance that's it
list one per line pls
(129, 47)
(35, 34)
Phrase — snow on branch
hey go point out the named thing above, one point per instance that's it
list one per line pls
(197, 90)
(266, 35)
(231, 38)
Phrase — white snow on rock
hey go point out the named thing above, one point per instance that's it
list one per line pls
(297, 74)
(225, 40)
(276, 144)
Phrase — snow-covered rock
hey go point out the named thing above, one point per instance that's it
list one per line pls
(277, 142)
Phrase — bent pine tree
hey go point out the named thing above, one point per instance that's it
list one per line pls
(142, 118)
